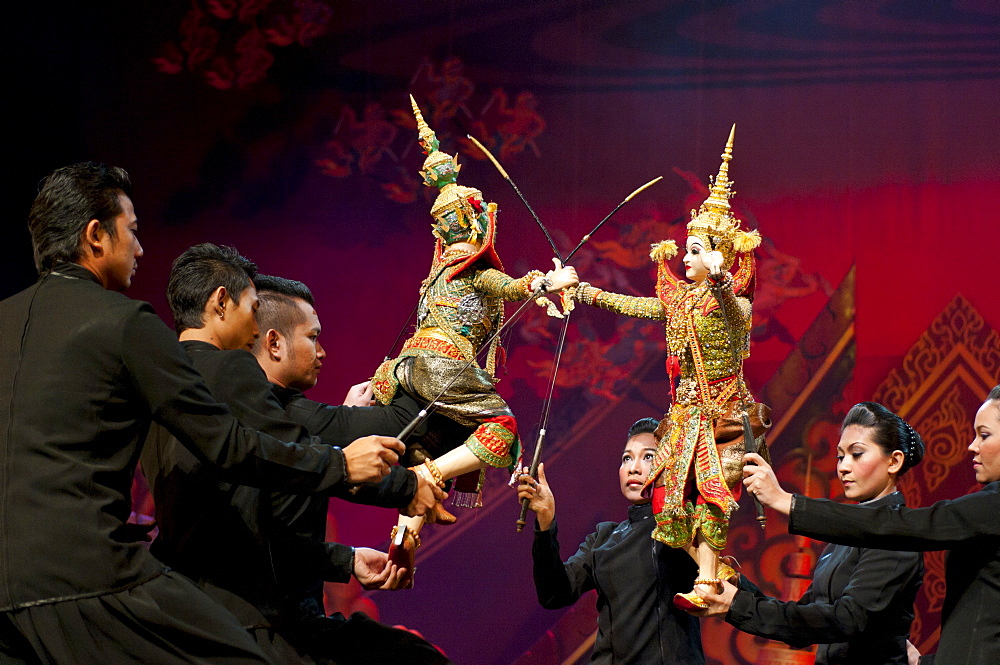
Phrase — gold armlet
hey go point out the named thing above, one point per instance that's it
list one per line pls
(528, 279)
(585, 293)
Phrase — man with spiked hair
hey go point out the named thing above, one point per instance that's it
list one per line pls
(291, 355)
(236, 541)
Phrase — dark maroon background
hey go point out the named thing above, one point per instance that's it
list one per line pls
(866, 136)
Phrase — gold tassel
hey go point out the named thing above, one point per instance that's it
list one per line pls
(663, 251)
(550, 307)
(746, 241)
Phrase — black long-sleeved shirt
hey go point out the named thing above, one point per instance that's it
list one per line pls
(967, 526)
(339, 426)
(305, 516)
(83, 371)
(636, 579)
(265, 547)
(858, 608)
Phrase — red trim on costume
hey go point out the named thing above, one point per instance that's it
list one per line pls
(432, 344)
(659, 498)
(745, 279)
(666, 281)
(673, 370)
(506, 421)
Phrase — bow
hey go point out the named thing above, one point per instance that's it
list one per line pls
(547, 404)
(548, 236)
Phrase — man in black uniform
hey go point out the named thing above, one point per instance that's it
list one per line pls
(291, 355)
(243, 546)
(83, 371)
(635, 576)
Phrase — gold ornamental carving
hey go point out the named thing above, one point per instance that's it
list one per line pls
(937, 388)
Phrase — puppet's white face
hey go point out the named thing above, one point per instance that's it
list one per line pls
(694, 260)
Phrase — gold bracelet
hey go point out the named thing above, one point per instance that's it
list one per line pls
(581, 293)
(409, 532)
(432, 468)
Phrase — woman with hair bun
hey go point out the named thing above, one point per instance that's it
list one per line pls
(860, 604)
(968, 527)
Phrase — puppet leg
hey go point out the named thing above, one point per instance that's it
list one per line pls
(405, 540)
(710, 531)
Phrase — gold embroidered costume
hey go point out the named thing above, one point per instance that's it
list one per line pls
(687, 459)
(461, 305)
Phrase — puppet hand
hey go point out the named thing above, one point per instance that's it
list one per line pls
(713, 262)
(562, 277)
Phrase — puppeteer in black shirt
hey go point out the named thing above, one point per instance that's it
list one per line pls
(635, 578)
(83, 372)
(858, 608)
(266, 547)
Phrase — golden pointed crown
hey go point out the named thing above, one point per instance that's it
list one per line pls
(428, 139)
(439, 168)
(459, 212)
(714, 223)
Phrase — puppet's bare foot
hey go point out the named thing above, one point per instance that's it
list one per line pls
(402, 552)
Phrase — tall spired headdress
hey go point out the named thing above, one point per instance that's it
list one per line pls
(458, 211)
(713, 222)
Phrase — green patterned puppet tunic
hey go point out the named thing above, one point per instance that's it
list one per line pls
(698, 352)
(461, 305)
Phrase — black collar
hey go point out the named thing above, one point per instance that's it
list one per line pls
(193, 345)
(894, 499)
(285, 395)
(73, 270)
(637, 513)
